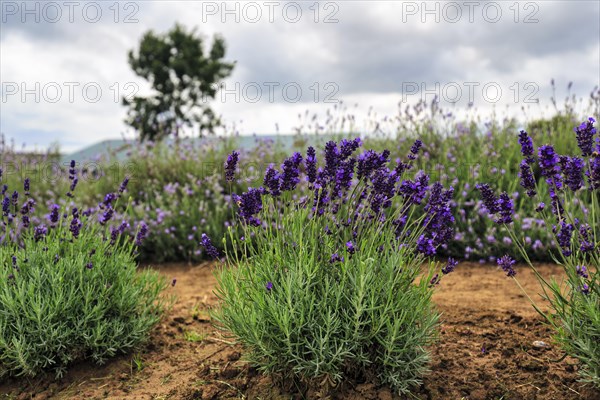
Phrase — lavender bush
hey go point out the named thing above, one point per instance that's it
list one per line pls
(327, 284)
(184, 189)
(69, 287)
(575, 299)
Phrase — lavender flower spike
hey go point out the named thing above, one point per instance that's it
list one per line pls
(488, 197)
(526, 145)
(585, 136)
(141, 235)
(527, 178)
(231, 165)
(505, 208)
(211, 250)
(506, 263)
(450, 266)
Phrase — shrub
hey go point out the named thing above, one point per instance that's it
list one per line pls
(69, 288)
(575, 300)
(330, 286)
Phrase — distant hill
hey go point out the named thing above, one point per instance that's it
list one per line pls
(119, 148)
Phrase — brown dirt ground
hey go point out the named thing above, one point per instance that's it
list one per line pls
(485, 351)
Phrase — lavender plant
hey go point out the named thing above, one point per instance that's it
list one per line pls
(186, 190)
(69, 287)
(328, 283)
(575, 299)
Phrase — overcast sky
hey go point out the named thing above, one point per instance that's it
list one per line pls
(63, 65)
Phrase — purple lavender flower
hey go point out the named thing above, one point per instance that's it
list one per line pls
(585, 136)
(73, 184)
(39, 232)
(28, 207)
(414, 150)
(401, 167)
(123, 185)
(384, 182)
(26, 185)
(332, 155)
(426, 246)
(54, 213)
(488, 197)
(586, 239)
(582, 271)
(594, 173)
(89, 265)
(369, 161)
(75, 227)
(15, 198)
(585, 289)
(106, 216)
(587, 246)
(435, 280)
(250, 203)
(527, 179)
(564, 237)
(25, 221)
(573, 172)
(335, 257)
(108, 199)
(311, 164)
(290, 172)
(415, 191)
(526, 145)
(350, 247)
(439, 221)
(506, 263)
(269, 286)
(72, 178)
(211, 250)
(5, 206)
(347, 147)
(549, 163)
(505, 209)
(123, 227)
(142, 233)
(450, 266)
(540, 207)
(231, 165)
(114, 235)
(343, 177)
(271, 180)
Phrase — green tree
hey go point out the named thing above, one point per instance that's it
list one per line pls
(183, 79)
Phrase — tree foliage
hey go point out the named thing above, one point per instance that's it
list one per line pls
(183, 77)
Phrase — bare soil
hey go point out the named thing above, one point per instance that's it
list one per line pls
(485, 351)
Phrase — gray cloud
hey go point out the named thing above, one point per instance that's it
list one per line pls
(369, 52)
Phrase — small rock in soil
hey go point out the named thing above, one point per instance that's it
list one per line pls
(538, 344)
